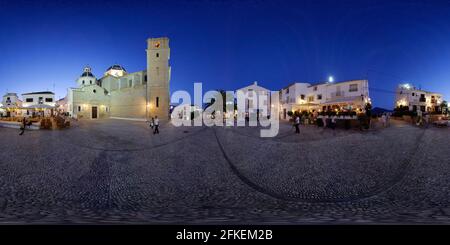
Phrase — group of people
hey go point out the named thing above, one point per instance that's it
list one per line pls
(154, 124)
(332, 123)
(385, 119)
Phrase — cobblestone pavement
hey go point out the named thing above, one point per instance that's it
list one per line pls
(113, 171)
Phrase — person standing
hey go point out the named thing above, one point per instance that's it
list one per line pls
(152, 123)
(384, 120)
(23, 125)
(426, 119)
(314, 116)
(297, 124)
(419, 118)
(156, 125)
(333, 122)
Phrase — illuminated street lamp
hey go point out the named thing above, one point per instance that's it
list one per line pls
(330, 79)
(407, 86)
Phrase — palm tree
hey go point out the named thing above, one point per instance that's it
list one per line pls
(222, 96)
(444, 107)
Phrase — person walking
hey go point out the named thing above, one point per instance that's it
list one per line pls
(22, 126)
(156, 125)
(297, 124)
(152, 123)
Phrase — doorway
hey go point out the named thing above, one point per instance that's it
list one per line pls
(94, 112)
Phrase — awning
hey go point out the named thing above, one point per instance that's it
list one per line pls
(344, 100)
(308, 104)
(9, 107)
(39, 106)
(31, 107)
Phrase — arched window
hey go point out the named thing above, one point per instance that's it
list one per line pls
(95, 91)
(157, 101)
(90, 81)
(83, 82)
(157, 55)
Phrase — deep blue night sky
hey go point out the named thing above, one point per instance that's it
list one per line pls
(227, 44)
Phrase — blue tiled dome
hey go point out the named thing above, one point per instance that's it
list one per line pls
(116, 67)
(87, 74)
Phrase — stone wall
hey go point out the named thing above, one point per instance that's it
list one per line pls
(129, 102)
(87, 97)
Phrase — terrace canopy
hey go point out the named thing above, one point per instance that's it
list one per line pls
(345, 100)
(39, 106)
(354, 101)
(305, 107)
(9, 107)
(28, 107)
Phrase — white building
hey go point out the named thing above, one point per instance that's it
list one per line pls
(62, 105)
(253, 94)
(417, 99)
(11, 100)
(37, 99)
(38, 103)
(345, 95)
(11, 105)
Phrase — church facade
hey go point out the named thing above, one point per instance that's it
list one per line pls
(119, 94)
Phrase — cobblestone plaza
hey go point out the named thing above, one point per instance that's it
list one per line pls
(115, 171)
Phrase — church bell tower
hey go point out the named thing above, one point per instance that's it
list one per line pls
(158, 75)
